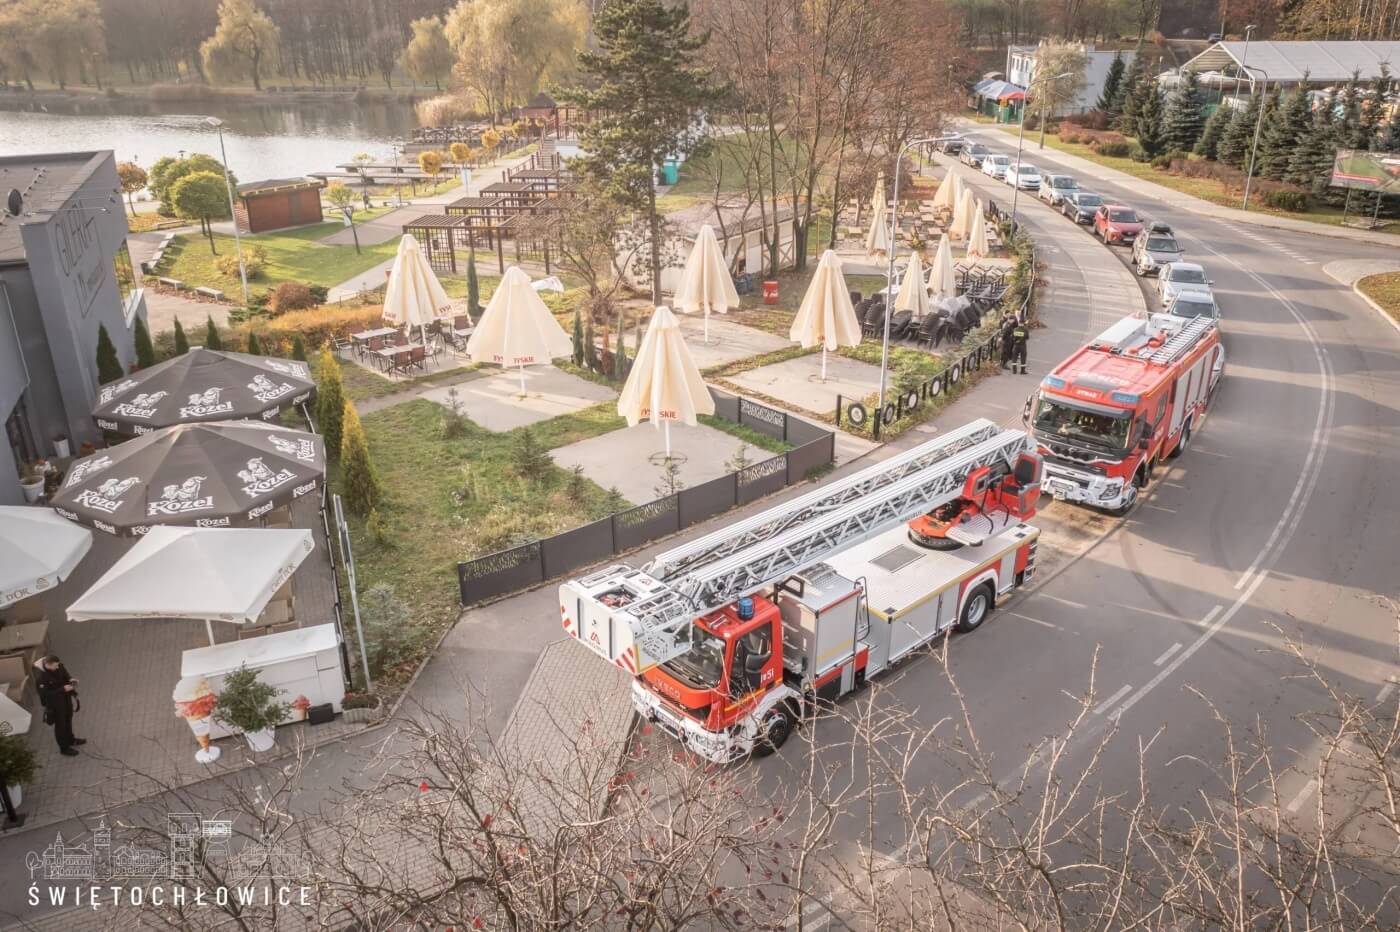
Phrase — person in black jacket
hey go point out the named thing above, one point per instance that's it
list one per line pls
(1020, 336)
(59, 693)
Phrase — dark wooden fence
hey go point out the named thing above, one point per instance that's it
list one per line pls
(506, 571)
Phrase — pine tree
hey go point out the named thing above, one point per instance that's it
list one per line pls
(182, 342)
(578, 337)
(619, 372)
(1124, 102)
(473, 286)
(1390, 142)
(254, 347)
(1317, 147)
(1185, 123)
(145, 349)
(109, 367)
(1273, 106)
(1369, 129)
(613, 502)
(1111, 82)
(211, 335)
(670, 482)
(1234, 142)
(1283, 134)
(645, 81)
(330, 401)
(1209, 142)
(298, 348)
(1151, 131)
(590, 348)
(528, 459)
(358, 482)
(1350, 123)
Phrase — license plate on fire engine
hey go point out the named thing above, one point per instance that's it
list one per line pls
(1059, 487)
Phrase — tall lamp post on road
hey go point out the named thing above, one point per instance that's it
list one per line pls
(218, 125)
(1254, 149)
(1021, 139)
(889, 274)
(1248, 31)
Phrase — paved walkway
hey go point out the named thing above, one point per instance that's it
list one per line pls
(1084, 168)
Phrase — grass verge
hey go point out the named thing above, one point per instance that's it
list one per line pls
(1384, 289)
(362, 384)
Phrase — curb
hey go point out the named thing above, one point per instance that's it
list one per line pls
(1384, 314)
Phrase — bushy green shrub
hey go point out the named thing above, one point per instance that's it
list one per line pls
(1114, 150)
(290, 296)
(1294, 201)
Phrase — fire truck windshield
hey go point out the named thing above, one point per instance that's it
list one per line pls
(1077, 425)
(703, 664)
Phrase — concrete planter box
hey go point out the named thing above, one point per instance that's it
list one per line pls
(354, 716)
(214, 293)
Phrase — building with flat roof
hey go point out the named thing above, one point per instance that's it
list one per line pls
(65, 270)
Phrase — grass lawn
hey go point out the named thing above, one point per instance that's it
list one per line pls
(725, 162)
(1207, 189)
(362, 384)
(1384, 289)
(294, 255)
(455, 499)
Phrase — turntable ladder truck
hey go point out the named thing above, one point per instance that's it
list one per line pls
(733, 637)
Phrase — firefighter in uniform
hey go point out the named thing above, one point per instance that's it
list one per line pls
(1008, 323)
(1020, 336)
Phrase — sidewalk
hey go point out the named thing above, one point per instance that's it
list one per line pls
(1085, 168)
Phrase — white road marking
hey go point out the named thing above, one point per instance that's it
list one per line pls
(1167, 654)
(1043, 624)
(1308, 789)
(1170, 511)
(1071, 604)
(1108, 703)
(1185, 654)
(1385, 690)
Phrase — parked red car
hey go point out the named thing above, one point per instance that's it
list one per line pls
(1115, 223)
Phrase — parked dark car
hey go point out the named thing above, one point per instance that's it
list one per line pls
(950, 145)
(974, 154)
(1079, 206)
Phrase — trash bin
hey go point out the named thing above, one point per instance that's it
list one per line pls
(670, 171)
(770, 292)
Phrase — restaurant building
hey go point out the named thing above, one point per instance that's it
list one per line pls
(65, 270)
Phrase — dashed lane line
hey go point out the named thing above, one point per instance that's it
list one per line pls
(1303, 795)
(1166, 654)
(1111, 700)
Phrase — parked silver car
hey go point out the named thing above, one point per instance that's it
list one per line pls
(1181, 277)
(1157, 249)
(1053, 188)
(1194, 304)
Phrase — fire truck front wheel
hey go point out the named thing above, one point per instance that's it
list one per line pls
(773, 731)
(976, 609)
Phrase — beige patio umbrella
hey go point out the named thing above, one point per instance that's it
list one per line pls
(517, 329)
(826, 316)
(977, 236)
(962, 216)
(664, 384)
(946, 198)
(877, 199)
(942, 279)
(705, 282)
(877, 240)
(913, 295)
(414, 295)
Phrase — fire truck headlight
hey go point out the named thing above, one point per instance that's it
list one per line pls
(1110, 490)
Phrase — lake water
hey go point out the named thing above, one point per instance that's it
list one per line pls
(263, 142)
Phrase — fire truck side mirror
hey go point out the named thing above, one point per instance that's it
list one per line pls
(1026, 411)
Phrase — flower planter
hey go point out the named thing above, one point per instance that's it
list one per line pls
(61, 447)
(361, 715)
(33, 488)
(16, 796)
(259, 741)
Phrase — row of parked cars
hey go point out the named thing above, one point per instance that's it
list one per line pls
(1182, 286)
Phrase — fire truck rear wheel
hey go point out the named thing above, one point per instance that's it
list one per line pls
(1184, 442)
(976, 609)
(776, 726)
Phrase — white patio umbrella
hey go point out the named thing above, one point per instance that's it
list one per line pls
(665, 384)
(414, 295)
(705, 282)
(14, 718)
(977, 236)
(517, 329)
(913, 294)
(38, 549)
(201, 574)
(826, 316)
(942, 279)
(962, 216)
(877, 240)
(946, 198)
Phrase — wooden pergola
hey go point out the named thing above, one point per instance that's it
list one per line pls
(441, 236)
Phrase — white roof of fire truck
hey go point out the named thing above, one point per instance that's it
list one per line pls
(749, 555)
(1130, 358)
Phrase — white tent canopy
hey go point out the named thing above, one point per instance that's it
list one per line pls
(517, 329)
(913, 294)
(203, 574)
(826, 317)
(877, 240)
(962, 216)
(38, 549)
(705, 282)
(665, 384)
(946, 197)
(942, 279)
(977, 236)
(414, 295)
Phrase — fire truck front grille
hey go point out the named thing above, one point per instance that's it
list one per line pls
(1067, 463)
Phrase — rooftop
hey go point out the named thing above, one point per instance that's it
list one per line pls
(279, 184)
(45, 183)
(1323, 62)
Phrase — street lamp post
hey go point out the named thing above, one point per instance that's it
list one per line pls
(1248, 31)
(398, 180)
(1021, 138)
(218, 125)
(1254, 149)
(889, 274)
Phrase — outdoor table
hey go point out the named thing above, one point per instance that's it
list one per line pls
(364, 336)
(31, 639)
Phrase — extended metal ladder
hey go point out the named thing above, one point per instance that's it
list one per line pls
(1182, 340)
(714, 570)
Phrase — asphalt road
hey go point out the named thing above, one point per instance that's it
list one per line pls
(1278, 523)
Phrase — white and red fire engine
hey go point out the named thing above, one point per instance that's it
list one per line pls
(1106, 416)
(733, 637)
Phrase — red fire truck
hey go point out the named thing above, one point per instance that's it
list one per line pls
(734, 637)
(1106, 416)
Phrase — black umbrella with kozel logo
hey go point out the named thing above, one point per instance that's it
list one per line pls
(202, 385)
(195, 475)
